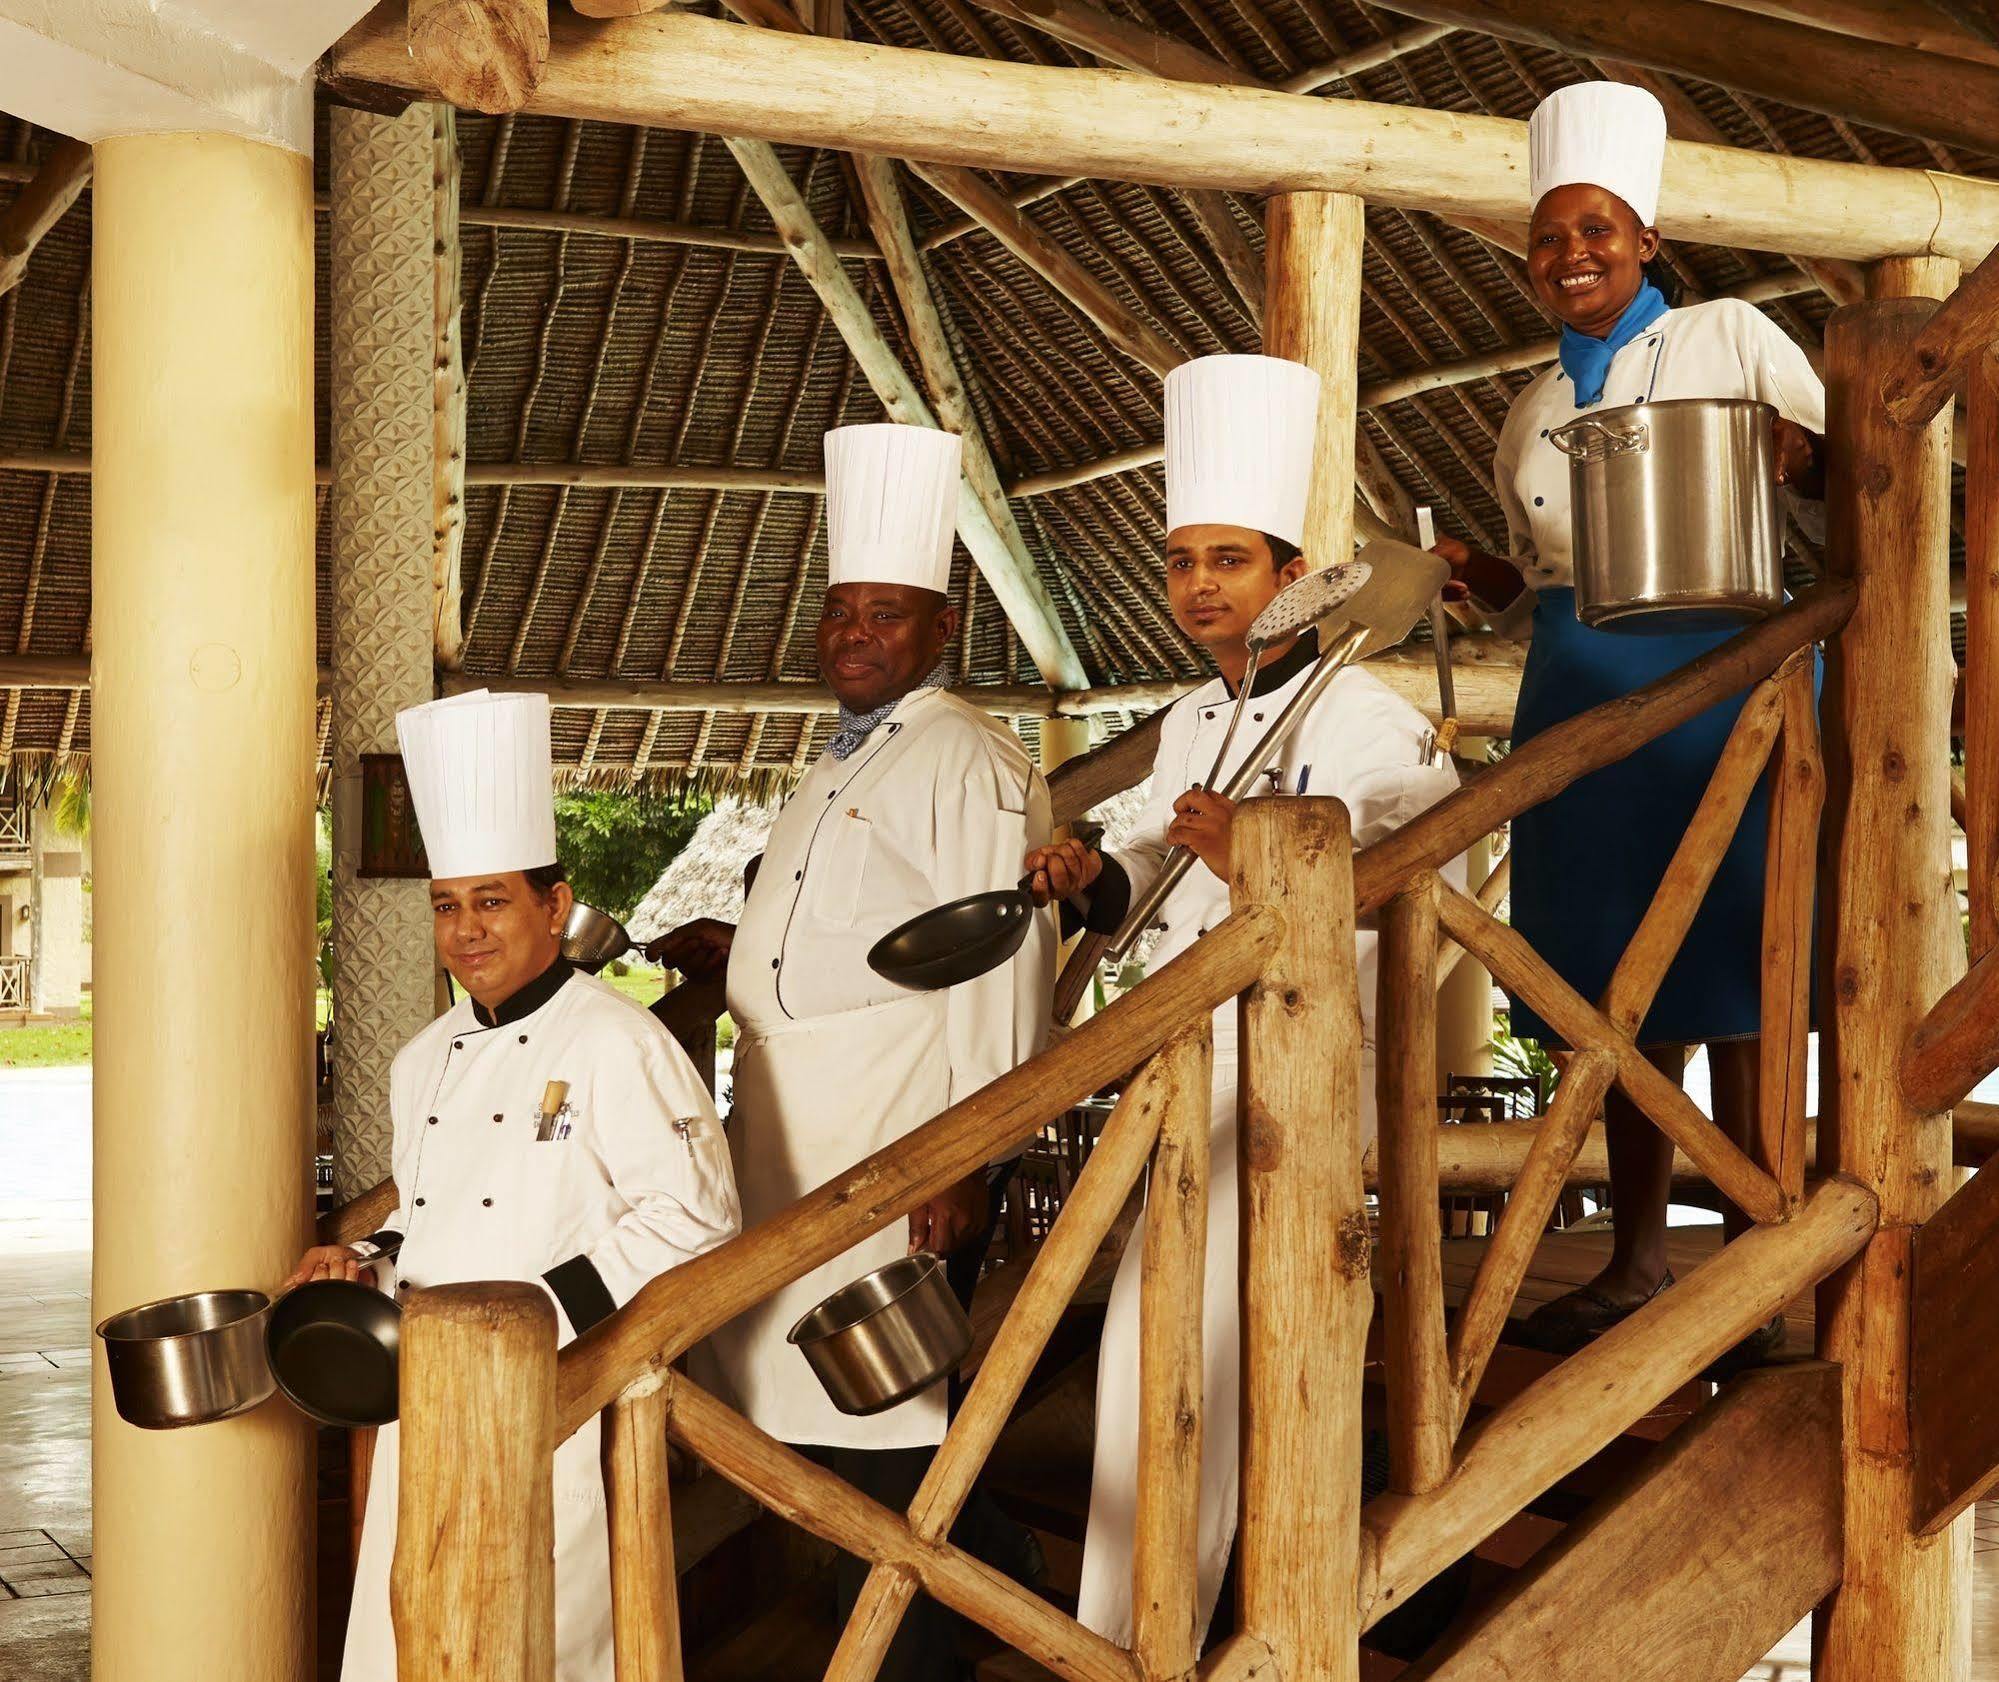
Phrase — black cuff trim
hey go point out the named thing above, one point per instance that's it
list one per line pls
(580, 1288)
(383, 1239)
(1110, 899)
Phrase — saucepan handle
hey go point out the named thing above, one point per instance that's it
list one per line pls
(1591, 439)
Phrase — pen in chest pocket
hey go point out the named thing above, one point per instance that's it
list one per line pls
(553, 1097)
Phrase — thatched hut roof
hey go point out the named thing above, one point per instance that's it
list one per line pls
(586, 346)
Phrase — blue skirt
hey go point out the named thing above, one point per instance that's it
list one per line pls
(1587, 863)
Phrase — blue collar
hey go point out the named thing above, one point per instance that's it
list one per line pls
(855, 728)
(1587, 360)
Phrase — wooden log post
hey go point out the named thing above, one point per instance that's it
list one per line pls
(483, 55)
(1981, 649)
(1306, 1296)
(1422, 1418)
(473, 1586)
(1890, 931)
(1790, 885)
(645, 1594)
(1166, 1533)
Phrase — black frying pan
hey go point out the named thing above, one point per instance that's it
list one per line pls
(332, 1346)
(955, 942)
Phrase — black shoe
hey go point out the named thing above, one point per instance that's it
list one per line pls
(1755, 1350)
(1577, 1319)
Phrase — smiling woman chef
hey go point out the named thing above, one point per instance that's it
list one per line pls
(1587, 863)
(546, 1129)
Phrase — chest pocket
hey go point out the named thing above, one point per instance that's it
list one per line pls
(837, 868)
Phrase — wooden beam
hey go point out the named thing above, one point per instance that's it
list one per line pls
(1956, 1045)
(1750, 1488)
(1894, 23)
(1027, 193)
(1893, 88)
(482, 55)
(1022, 595)
(1369, 55)
(1917, 390)
(1889, 934)
(1954, 1359)
(448, 398)
(648, 232)
(1980, 683)
(39, 206)
(602, 476)
(677, 70)
(1086, 782)
(1546, 1432)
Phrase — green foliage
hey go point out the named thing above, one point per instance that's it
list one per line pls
(323, 875)
(614, 843)
(69, 805)
(1522, 1058)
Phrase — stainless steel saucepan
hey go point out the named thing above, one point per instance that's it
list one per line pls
(889, 1335)
(1676, 520)
(188, 1359)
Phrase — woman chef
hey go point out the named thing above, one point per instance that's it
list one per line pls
(1587, 863)
(920, 798)
(546, 1129)
(1239, 452)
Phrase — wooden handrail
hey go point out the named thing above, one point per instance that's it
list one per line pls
(1568, 1415)
(1605, 734)
(682, 1307)
(1956, 1045)
(1916, 389)
(359, 1216)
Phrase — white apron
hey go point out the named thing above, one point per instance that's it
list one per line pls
(1361, 744)
(637, 1181)
(832, 1061)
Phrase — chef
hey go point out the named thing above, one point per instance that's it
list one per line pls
(1596, 152)
(920, 798)
(546, 1129)
(1239, 450)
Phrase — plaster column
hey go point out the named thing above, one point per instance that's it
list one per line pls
(1464, 1002)
(56, 987)
(203, 748)
(383, 323)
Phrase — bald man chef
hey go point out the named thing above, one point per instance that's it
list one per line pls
(546, 1129)
(920, 798)
(1239, 453)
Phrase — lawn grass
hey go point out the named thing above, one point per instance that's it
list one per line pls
(48, 1045)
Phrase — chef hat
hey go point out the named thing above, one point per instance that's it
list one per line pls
(480, 773)
(1240, 435)
(891, 505)
(1605, 133)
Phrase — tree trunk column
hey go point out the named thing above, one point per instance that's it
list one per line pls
(1892, 947)
(384, 336)
(203, 680)
(1312, 315)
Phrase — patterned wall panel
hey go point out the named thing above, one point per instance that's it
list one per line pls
(383, 327)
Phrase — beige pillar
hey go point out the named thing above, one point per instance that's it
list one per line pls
(383, 323)
(1464, 1002)
(202, 704)
(1064, 739)
(56, 985)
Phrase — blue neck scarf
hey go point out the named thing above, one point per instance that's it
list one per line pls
(855, 728)
(1587, 360)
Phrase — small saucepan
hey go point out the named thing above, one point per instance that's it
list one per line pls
(956, 942)
(188, 1360)
(889, 1335)
(332, 1348)
(592, 938)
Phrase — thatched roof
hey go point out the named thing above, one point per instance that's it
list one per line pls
(585, 347)
(705, 878)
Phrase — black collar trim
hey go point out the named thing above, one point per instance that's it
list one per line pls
(527, 1000)
(1297, 658)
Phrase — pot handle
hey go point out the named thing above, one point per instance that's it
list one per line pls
(1591, 439)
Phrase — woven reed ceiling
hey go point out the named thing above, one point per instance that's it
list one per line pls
(595, 349)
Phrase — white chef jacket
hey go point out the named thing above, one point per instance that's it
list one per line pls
(637, 1180)
(1726, 348)
(1361, 744)
(832, 1061)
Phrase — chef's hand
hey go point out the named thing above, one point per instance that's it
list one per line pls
(1493, 579)
(1201, 824)
(1457, 556)
(949, 1220)
(1798, 462)
(699, 950)
(326, 1261)
(1062, 871)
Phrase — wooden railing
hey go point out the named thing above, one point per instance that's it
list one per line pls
(1309, 1581)
(14, 989)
